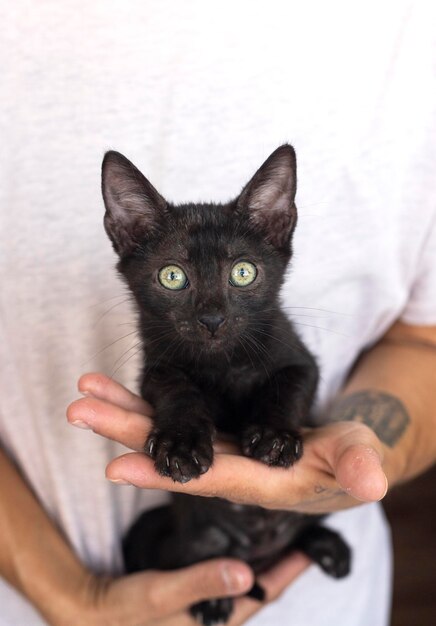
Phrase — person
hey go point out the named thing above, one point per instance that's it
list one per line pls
(197, 95)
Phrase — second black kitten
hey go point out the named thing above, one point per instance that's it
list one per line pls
(221, 355)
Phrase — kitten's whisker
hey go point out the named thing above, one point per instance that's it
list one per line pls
(240, 340)
(157, 338)
(336, 332)
(140, 344)
(159, 359)
(329, 330)
(123, 363)
(136, 345)
(258, 350)
(157, 327)
(291, 347)
(108, 346)
(199, 355)
(148, 323)
(100, 302)
(261, 351)
(111, 309)
(319, 317)
(311, 308)
(228, 357)
(176, 347)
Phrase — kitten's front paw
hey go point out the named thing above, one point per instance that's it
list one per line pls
(211, 612)
(272, 446)
(180, 456)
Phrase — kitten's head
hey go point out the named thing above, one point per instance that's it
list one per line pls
(203, 275)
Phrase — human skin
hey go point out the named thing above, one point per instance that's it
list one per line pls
(381, 432)
(344, 464)
(38, 561)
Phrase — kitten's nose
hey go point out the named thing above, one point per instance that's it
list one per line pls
(212, 322)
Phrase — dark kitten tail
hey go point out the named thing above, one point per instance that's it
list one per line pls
(326, 548)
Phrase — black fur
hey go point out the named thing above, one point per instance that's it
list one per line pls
(219, 357)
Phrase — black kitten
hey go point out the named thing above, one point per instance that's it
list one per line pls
(220, 356)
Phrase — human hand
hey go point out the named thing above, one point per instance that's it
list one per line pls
(341, 464)
(169, 594)
(154, 598)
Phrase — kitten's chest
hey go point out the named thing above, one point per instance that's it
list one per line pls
(240, 382)
(229, 393)
(233, 383)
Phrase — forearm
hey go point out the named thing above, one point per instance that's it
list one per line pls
(393, 391)
(34, 557)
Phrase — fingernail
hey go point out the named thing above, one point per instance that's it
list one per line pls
(87, 394)
(236, 581)
(386, 487)
(81, 424)
(119, 481)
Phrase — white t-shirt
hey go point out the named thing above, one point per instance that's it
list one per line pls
(198, 94)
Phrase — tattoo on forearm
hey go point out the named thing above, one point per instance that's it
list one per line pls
(385, 414)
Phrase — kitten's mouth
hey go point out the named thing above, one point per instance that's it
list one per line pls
(214, 342)
(204, 341)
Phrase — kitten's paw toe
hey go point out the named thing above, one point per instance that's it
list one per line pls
(272, 446)
(180, 458)
(150, 445)
(211, 612)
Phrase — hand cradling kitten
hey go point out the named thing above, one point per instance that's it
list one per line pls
(220, 355)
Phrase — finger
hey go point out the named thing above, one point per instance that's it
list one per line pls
(353, 455)
(275, 581)
(179, 619)
(127, 427)
(105, 388)
(169, 592)
(359, 472)
(232, 477)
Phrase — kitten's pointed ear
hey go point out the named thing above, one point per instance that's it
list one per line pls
(134, 208)
(269, 198)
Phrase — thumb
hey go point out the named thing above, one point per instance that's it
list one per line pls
(176, 590)
(358, 470)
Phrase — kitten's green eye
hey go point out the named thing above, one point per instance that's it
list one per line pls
(243, 274)
(173, 277)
